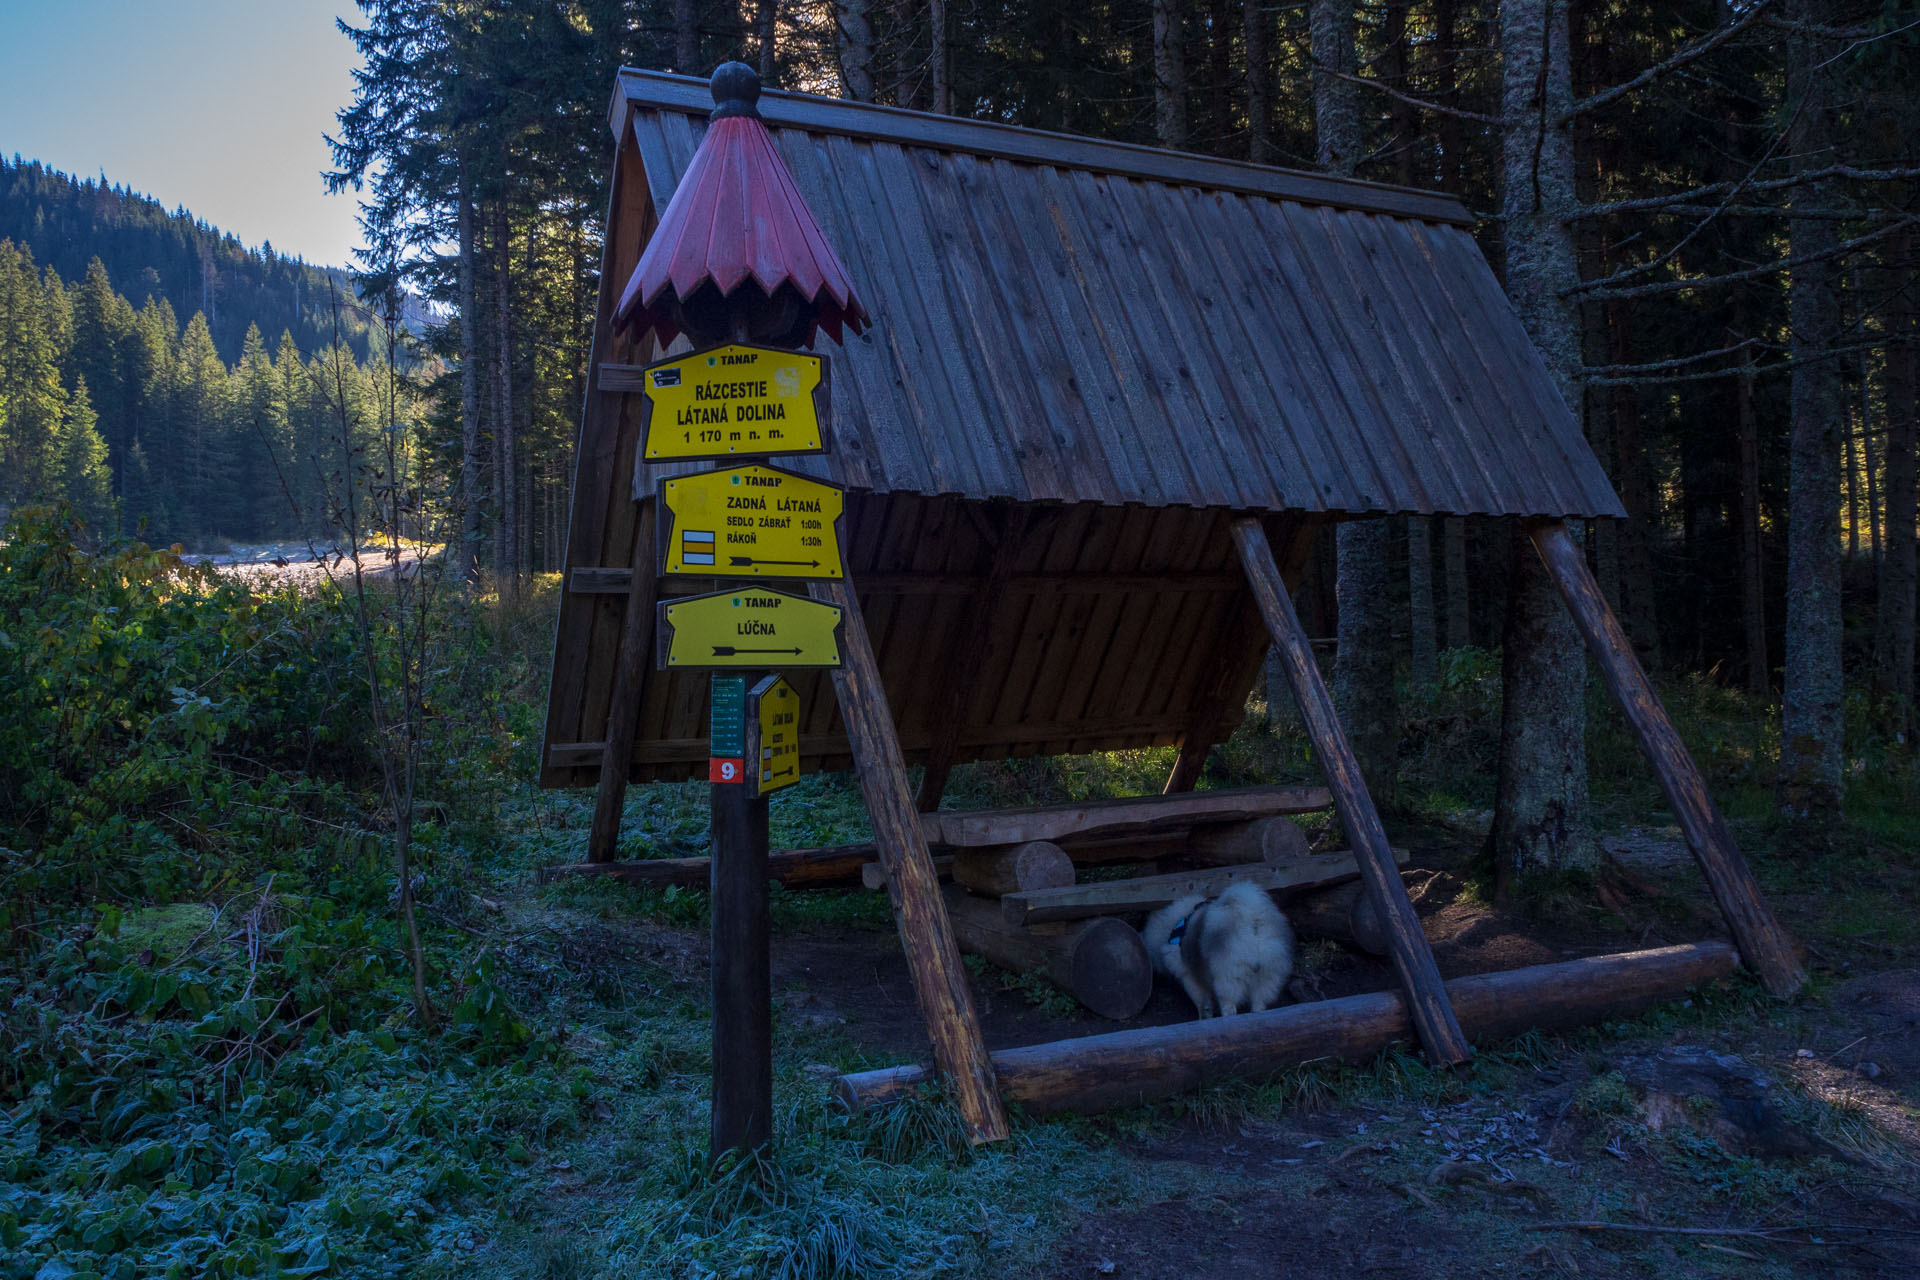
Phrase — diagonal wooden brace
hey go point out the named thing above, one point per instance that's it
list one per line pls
(1433, 1018)
(623, 705)
(926, 935)
(1765, 947)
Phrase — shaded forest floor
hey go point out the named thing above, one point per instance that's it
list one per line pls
(1322, 1171)
(210, 1063)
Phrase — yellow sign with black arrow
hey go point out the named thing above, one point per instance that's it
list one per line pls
(773, 735)
(735, 401)
(748, 627)
(751, 522)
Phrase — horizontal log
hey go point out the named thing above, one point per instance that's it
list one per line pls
(1037, 864)
(1149, 893)
(836, 867)
(1131, 816)
(1274, 839)
(614, 580)
(873, 876)
(566, 755)
(1126, 1068)
(1101, 963)
(1344, 915)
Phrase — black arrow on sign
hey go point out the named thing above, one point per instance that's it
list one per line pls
(747, 560)
(728, 651)
(782, 774)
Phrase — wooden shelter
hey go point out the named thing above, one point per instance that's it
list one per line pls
(1109, 395)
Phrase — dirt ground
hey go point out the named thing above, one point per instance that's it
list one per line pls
(1404, 1188)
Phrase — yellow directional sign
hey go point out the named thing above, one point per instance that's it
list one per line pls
(773, 725)
(750, 522)
(735, 401)
(748, 627)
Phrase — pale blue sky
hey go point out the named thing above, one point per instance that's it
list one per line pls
(218, 105)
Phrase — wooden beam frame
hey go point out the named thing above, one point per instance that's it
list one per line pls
(926, 935)
(1244, 640)
(1412, 957)
(960, 673)
(623, 708)
(1765, 947)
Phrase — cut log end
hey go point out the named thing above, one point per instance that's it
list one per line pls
(1109, 968)
(1036, 864)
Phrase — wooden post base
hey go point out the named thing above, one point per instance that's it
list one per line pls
(741, 976)
(1126, 1068)
(939, 979)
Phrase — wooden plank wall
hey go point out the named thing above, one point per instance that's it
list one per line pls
(1110, 635)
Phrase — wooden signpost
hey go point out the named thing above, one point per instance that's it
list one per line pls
(750, 521)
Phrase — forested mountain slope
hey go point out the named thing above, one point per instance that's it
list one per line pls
(65, 222)
(163, 379)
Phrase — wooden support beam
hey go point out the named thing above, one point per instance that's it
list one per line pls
(1767, 948)
(600, 580)
(623, 708)
(1413, 962)
(1127, 1068)
(965, 663)
(1102, 963)
(1149, 893)
(939, 979)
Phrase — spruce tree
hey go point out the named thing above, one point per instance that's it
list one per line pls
(82, 478)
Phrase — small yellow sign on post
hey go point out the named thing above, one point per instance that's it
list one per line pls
(750, 522)
(748, 627)
(735, 401)
(773, 728)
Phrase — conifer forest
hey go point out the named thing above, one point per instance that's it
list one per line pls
(298, 976)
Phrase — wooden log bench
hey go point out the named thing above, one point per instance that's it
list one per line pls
(1149, 893)
(1127, 829)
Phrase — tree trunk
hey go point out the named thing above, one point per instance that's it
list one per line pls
(505, 437)
(1753, 579)
(1336, 113)
(1422, 643)
(1810, 730)
(1259, 56)
(686, 40)
(1453, 532)
(1169, 72)
(467, 555)
(909, 84)
(1540, 803)
(1220, 116)
(1893, 648)
(1363, 663)
(768, 22)
(855, 31)
(941, 58)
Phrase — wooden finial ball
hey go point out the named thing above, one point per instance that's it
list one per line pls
(736, 88)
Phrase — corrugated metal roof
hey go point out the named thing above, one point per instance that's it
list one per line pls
(1063, 319)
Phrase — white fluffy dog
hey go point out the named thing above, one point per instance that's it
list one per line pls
(1233, 953)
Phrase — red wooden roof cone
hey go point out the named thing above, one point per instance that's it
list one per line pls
(737, 244)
